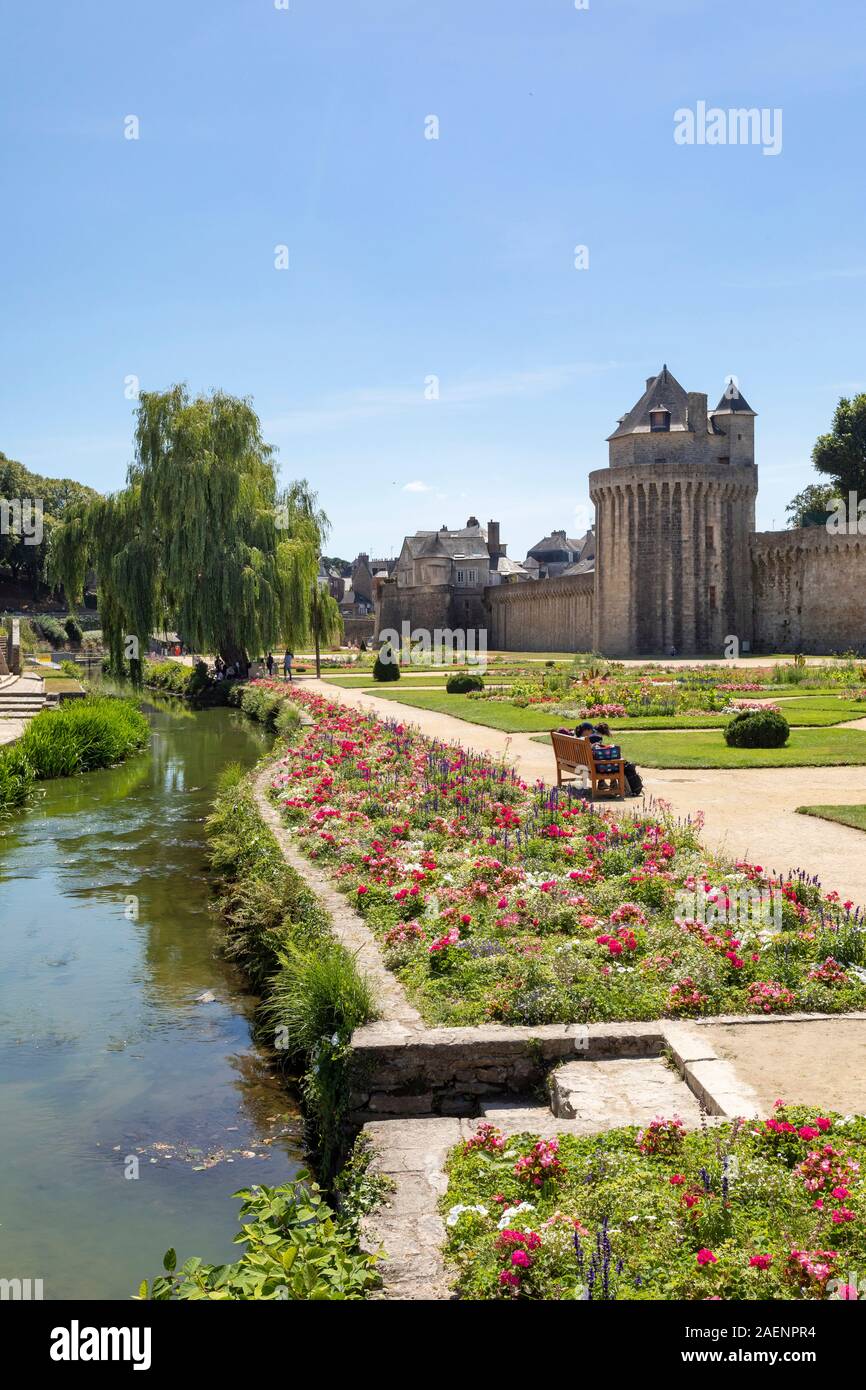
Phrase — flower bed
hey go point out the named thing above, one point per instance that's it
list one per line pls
(761, 1209)
(494, 900)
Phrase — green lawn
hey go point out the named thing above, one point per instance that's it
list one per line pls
(486, 712)
(805, 748)
(854, 816)
(435, 679)
(805, 712)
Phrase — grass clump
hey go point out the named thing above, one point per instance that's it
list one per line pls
(276, 928)
(80, 736)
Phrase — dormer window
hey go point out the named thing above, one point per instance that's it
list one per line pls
(660, 420)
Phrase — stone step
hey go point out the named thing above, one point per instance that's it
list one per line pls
(622, 1091)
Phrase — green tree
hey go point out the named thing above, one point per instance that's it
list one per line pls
(200, 540)
(326, 624)
(812, 506)
(841, 454)
(21, 553)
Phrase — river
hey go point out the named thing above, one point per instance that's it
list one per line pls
(129, 1111)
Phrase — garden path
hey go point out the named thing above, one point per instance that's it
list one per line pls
(750, 813)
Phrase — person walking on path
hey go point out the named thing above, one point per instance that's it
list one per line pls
(287, 665)
(270, 664)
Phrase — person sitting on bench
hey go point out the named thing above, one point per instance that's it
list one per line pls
(632, 776)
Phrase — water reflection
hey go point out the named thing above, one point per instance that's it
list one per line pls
(106, 942)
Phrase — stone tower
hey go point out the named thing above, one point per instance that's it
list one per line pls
(674, 511)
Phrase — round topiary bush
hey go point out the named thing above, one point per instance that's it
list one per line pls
(386, 666)
(763, 728)
(462, 682)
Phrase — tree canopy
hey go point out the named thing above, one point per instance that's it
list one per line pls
(201, 540)
(841, 453)
(19, 556)
(812, 506)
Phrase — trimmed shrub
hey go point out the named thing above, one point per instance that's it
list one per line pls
(386, 667)
(757, 729)
(463, 682)
(73, 629)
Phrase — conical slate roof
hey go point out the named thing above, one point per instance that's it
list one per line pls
(663, 393)
(733, 401)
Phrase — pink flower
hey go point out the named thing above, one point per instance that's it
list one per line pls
(520, 1257)
(841, 1215)
(706, 1257)
(676, 1179)
(761, 1261)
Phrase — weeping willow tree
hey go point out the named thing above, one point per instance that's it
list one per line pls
(326, 624)
(200, 540)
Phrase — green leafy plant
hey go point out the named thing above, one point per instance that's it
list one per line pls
(462, 683)
(297, 1249)
(757, 729)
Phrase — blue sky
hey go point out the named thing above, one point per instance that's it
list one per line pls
(411, 258)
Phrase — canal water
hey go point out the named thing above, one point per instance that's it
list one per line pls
(125, 1043)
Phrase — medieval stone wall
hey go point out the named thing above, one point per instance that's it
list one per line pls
(545, 615)
(672, 557)
(809, 590)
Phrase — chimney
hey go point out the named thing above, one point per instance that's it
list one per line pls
(493, 545)
(697, 409)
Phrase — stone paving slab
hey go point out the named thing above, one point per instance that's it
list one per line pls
(408, 1225)
(607, 1095)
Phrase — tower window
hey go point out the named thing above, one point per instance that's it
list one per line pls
(712, 596)
(709, 538)
(726, 458)
(660, 420)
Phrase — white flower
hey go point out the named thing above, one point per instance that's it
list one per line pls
(457, 1211)
(510, 1212)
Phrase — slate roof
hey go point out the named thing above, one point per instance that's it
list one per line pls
(548, 543)
(663, 393)
(467, 543)
(579, 567)
(735, 404)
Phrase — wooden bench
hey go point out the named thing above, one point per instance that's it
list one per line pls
(574, 755)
